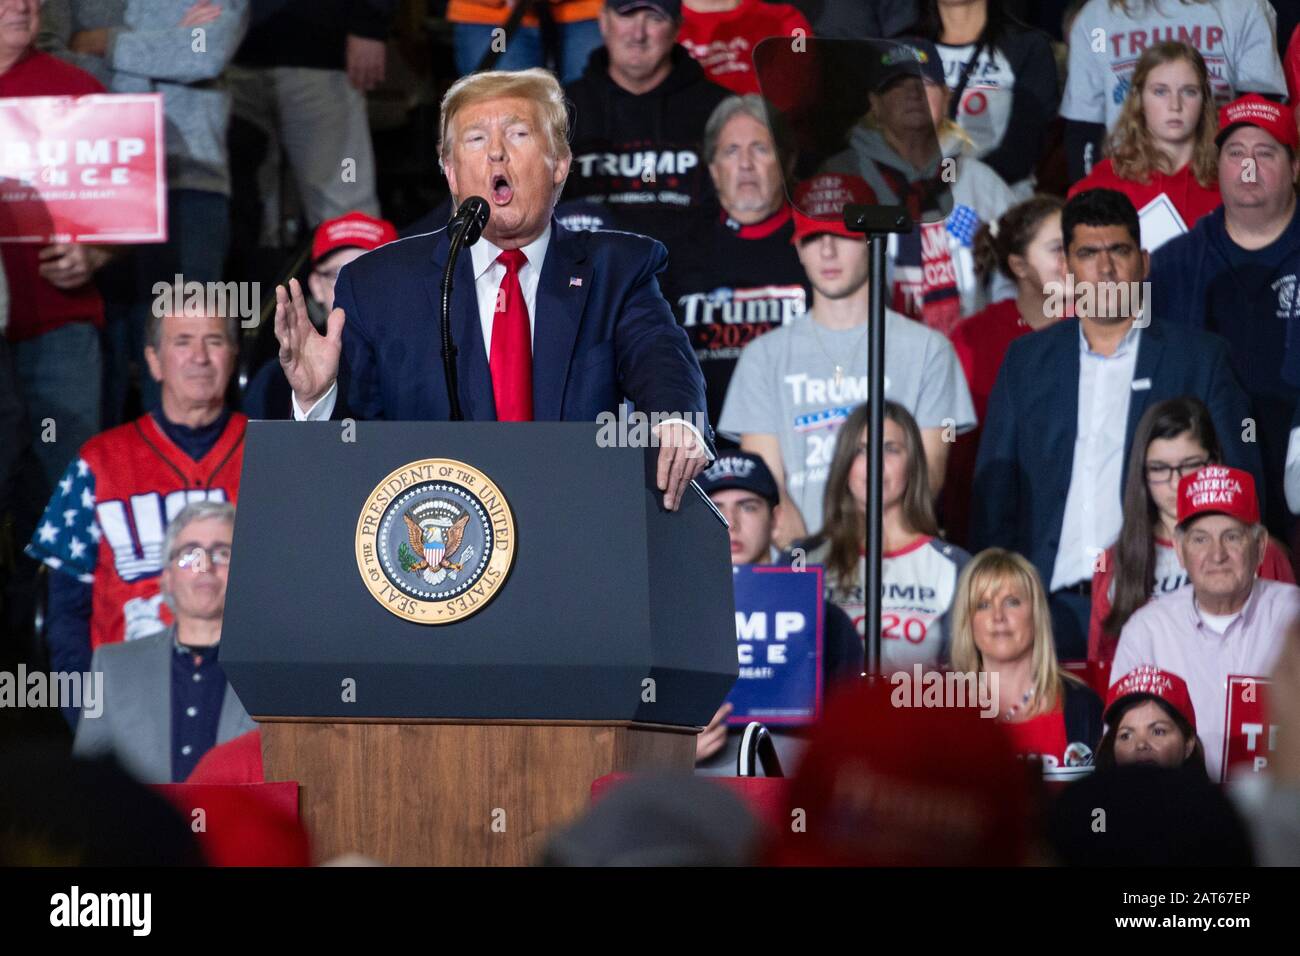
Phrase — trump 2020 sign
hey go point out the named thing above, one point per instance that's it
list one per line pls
(779, 645)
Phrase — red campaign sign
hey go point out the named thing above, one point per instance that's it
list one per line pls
(1247, 734)
(83, 169)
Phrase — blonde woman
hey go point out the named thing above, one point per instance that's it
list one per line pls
(1002, 627)
(1163, 142)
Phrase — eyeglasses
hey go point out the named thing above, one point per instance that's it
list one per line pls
(218, 556)
(1159, 472)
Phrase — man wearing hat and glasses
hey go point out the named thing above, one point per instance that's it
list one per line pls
(1230, 621)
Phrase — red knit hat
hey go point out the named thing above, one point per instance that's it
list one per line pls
(906, 786)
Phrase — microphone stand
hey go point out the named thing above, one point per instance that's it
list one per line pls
(448, 347)
(877, 222)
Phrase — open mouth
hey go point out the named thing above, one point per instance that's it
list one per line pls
(501, 189)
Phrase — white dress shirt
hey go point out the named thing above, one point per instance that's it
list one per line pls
(1093, 505)
(488, 274)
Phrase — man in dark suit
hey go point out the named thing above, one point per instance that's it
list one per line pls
(1061, 417)
(550, 324)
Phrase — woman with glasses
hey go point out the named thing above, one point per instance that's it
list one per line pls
(1173, 439)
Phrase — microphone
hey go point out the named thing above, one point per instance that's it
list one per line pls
(465, 228)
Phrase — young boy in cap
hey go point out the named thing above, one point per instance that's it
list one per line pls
(1230, 621)
(336, 243)
(740, 485)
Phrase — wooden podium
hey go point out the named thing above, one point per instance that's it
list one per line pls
(609, 643)
(454, 794)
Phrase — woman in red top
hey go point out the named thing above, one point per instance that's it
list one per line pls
(1163, 141)
(1173, 438)
(1002, 627)
(1024, 244)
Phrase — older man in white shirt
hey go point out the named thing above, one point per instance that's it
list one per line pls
(1230, 621)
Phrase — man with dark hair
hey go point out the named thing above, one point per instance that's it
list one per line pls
(743, 489)
(1051, 463)
(1236, 274)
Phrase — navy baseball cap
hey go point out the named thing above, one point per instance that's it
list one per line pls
(894, 61)
(672, 9)
(740, 469)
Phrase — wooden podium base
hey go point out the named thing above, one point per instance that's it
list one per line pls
(443, 793)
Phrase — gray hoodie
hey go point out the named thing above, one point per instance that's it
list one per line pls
(148, 52)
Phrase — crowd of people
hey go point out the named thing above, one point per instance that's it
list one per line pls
(1091, 449)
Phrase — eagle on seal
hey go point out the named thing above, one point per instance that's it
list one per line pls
(437, 551)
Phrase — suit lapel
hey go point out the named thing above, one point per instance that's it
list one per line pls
(1066, 378)
(1151, 347)
(466, 331)
(561, 297)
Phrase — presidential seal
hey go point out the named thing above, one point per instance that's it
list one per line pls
(435, 541)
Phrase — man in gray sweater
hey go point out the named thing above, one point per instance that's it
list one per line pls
(178, 48)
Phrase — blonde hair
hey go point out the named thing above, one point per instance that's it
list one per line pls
(538, 85)
(982, 576)
(1131, 147)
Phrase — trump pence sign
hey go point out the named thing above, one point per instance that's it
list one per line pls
(83, 169)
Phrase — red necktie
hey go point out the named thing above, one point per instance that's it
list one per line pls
(511, 354)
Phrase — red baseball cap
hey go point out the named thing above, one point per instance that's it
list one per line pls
(882, 785)
(819, 205)
(1253, 110)
(1150, 681)
(355, 230)
(1218, 489)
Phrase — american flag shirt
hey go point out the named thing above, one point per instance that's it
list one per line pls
(106, 519)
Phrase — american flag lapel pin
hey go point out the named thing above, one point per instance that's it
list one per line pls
(575, 280)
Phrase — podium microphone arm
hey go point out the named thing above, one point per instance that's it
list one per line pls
(465, 228)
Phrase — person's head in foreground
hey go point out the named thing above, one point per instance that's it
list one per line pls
(1150, 719)
(1146, 815)
(1102, 237)
(659, 820)
(1258, 164)
(1002, 624)
(504, 136)
(905, 786)
(338, 242)
(741, 486)
(1219, 538)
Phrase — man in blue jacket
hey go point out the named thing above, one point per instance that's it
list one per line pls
(550, 325)
(1060, 421)
(1236, 274)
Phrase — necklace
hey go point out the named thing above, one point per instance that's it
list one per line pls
(839, 369)
(1024, 701)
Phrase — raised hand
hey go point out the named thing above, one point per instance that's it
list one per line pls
(310, 360)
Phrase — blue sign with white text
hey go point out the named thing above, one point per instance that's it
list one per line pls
(779, 645)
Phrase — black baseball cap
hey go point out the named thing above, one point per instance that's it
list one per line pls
(740, 469)
(897, 59)
(672, 9)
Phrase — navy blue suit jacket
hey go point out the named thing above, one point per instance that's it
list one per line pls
(603, 332)
(1026, 454)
